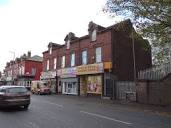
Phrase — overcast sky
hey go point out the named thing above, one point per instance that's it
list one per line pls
(29, 25)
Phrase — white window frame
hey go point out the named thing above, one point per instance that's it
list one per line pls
(98, 54)
(50, 50)
(54, 63)
(94, 35)
(68, 44)
(72, 58)
(63, 61)
(84, 57)
(47, 65)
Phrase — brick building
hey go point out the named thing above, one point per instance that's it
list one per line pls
(87, 65)
(23, 70)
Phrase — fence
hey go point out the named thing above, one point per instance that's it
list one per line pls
(126, 90)
(155, 73)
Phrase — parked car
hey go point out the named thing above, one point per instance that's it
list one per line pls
(11, 96)
(40, 87)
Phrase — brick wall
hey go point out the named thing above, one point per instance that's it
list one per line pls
(154, 92)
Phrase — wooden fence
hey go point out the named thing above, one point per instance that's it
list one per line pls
(155, 73)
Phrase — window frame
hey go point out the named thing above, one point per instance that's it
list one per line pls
(94, 35)
(54, 63)
(63, 61)
(47, 65)
(82, 57)
(50, 50)
(68, 44)
(97, 55)
(72, 64)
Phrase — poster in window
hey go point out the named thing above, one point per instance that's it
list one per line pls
(94, 84)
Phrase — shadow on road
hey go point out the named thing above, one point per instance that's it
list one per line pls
(12, 109)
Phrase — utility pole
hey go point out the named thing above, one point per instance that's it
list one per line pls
(133, 52)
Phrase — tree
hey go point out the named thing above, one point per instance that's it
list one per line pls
(152, 19)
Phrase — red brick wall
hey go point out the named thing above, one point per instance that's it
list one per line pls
(154, 92)
(123, 56)
(116, 47)
(103, 40)
(33, 64)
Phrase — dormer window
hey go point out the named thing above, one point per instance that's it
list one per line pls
(68, 44)
(50, 50)
(94, 35)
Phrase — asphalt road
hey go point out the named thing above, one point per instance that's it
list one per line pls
(74, 112)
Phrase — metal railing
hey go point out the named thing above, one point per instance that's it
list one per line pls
(155, 73)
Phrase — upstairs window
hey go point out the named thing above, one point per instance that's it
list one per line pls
(50, 50)
(93, 35)
(84, 57)
(63, 61)
(33, 71)
(68, 44)
(72, 59)
(98, 54)
(54, 63)
(47, 65)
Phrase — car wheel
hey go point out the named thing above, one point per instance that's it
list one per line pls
(26, 107)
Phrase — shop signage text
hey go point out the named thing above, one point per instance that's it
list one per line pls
(67, 72)
(90, 69)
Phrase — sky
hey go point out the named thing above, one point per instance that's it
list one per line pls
(29, 25)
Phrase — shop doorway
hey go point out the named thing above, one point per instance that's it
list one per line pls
(69, 88)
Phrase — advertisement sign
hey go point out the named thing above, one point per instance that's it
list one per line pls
(67, 72)
(94, 84)
(90, 69)
(48, 75)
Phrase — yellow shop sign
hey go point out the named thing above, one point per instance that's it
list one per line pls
(90, 69)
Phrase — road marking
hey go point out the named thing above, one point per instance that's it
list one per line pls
(58, 105)
(105, 117)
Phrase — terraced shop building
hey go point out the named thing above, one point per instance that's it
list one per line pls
(23, 70)
(86, 65)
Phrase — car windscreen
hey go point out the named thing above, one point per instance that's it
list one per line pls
(16, 90)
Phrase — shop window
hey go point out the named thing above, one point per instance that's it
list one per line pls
(72, 59)
(47, 65)
(98, 55)
(54, 63)
(63, 61)
(94, 84)
(84, 57)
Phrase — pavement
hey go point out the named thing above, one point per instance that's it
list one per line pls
(155, 109)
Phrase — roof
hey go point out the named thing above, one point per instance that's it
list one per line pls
(36, 58)
(123, 26)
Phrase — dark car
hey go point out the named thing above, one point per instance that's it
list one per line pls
(12, 96)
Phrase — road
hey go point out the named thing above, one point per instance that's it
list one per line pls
(73, 112)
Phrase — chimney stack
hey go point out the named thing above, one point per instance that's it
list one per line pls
(29, 54)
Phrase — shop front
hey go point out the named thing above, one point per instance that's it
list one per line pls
(91, 79)
(67, 81)
(50, 78)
